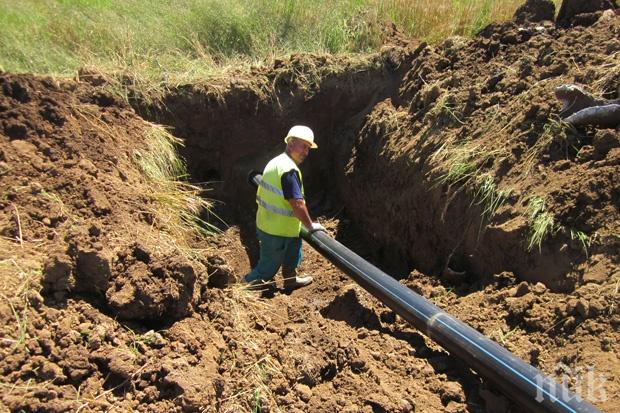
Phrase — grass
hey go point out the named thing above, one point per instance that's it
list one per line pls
(462, 165)
(542, 222)
(488, 196)
(503, 337)
(160, 161)
(136, 341)
(179, 203)
(194, 38)
(445, 105)
(582, 238)
(438, 299)
(553, 131)
(257, 401)
(457, 164)
(19, 276)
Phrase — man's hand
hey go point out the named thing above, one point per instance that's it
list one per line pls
(317, 227)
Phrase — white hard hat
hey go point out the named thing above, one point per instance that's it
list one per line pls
(302, 132)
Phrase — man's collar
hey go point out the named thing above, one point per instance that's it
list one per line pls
(290, 157)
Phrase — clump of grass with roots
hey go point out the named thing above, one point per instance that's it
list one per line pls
(542, 222)
(179, 204)
(458, 163)
(489, 196)
(461, 165)
(582, 238)
(553, 131)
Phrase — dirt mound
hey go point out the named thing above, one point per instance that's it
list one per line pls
(74, 203)
(583, 13)
(535, 11)
(81, 201)
(477, 135)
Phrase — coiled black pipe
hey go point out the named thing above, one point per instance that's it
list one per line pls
(519, 381)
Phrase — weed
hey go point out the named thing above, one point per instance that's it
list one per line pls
(503, 337)
(458, 164)
(489, 196)
(582, 238)
(541, 222)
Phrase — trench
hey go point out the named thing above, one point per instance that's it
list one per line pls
(226, 137)
(386, 200)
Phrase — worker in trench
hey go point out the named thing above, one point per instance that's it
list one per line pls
(281, 212)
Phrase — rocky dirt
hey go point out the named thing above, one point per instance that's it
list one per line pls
(429, 161)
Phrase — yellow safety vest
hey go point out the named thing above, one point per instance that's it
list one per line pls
(275, 214)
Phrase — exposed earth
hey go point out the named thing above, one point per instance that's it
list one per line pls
(447, 166)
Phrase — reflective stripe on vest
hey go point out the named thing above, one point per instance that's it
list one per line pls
(271, 188)
(275, 214)
(274, 209)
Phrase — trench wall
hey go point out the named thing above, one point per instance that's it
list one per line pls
(380, 124)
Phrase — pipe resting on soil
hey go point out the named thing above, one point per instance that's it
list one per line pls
(519, 381)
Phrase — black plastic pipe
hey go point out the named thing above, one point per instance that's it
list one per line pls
(519, 381)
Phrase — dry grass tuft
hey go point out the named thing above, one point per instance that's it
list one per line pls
(248, 358)
(178, 204)
(20, 274)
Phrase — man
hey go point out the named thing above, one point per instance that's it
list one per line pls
(281, 212)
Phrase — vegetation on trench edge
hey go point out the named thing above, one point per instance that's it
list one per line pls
(192, 39)
(180, 204)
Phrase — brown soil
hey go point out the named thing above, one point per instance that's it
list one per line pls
(104, 311)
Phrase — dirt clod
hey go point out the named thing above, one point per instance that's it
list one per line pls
(535, 11)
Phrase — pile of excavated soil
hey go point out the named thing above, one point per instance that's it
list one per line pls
(79, 218)
(103, 310)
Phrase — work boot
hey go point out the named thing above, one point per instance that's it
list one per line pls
(292, 281)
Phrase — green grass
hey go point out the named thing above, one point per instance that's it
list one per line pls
(257, 401)
(541, 221)
(582, 238)
(459, 163)
(192, 38)
(489, 196)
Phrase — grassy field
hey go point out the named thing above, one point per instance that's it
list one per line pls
(188, 39)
